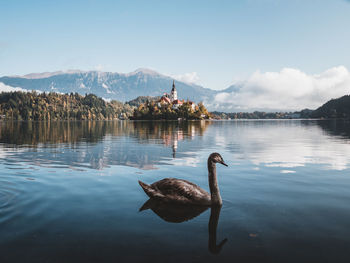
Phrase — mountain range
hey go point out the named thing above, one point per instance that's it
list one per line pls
(115, 86)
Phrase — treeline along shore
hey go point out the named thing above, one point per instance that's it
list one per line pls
(56, 106)
(333, 109)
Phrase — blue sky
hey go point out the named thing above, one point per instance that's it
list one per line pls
(221, 41)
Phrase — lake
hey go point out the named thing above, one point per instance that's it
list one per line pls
(69, 191)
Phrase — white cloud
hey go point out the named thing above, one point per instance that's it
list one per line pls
(99, 67)
(289, 89)
(287, 172)
(191, 78)
(6, 88)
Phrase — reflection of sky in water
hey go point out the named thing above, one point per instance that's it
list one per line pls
(69, 191)
(285, 144)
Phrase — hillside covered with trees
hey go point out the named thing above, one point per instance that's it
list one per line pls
(335, 108)
(142, 99)
(55, 106)
(303, 114)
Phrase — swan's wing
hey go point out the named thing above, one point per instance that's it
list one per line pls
(150, 191)
(179, 189)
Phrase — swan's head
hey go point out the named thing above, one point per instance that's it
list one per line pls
(216, 158)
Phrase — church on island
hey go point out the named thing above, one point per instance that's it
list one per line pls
(172, 99)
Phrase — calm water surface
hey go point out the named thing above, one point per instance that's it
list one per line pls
(69, 191)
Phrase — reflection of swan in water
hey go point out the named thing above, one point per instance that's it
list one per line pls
(184, 192)
(213, 224)
(177, 213)
(174, 213)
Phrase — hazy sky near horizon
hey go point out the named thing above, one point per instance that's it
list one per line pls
(213, 43)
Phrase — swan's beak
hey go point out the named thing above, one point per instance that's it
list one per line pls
(223, 163)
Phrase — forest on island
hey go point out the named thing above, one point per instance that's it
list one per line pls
(151, 110)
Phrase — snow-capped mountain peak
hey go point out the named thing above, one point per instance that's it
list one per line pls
(144, 71)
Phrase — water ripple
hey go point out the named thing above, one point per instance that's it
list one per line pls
(8, 193)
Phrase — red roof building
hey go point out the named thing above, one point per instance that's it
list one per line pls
(165, 100)
(178, 102)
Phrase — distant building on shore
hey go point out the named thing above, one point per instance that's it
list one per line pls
(173, 100)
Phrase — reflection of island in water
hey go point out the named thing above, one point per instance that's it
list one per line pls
(176, 213)
(97, 144)
(146, 144)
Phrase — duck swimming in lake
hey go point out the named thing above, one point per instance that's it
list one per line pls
(184, 192)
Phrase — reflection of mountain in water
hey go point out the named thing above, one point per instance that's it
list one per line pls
(97, 144)
(339, 128)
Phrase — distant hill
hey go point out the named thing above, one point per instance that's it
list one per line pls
(335, 108)
(141, 99)
(108, 85)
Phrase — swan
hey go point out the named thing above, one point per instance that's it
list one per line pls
(184, 192)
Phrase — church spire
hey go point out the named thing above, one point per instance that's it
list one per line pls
(173, 95)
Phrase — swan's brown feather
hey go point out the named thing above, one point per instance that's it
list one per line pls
(179, 190)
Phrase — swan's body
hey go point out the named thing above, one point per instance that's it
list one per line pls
(177, 190)
(184, 192)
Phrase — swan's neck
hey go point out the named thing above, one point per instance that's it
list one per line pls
(213, 184)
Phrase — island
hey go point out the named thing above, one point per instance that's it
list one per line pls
(169, 107)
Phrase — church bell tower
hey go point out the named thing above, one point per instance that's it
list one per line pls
(173, 92)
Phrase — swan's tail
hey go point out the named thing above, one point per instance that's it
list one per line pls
(149, 190)
(147, 205)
